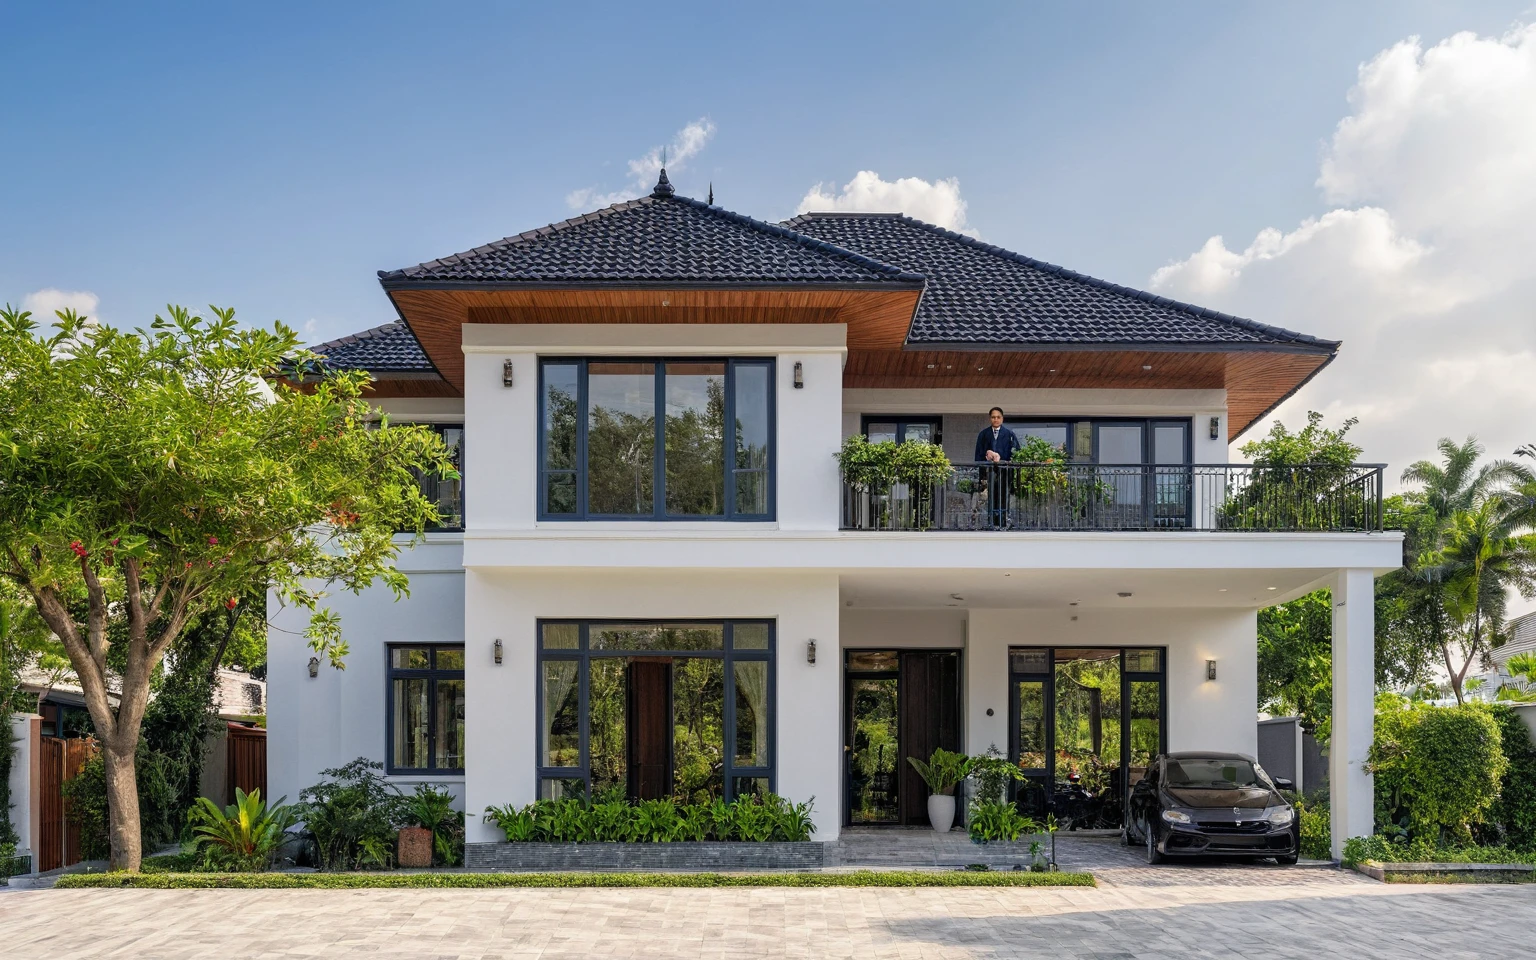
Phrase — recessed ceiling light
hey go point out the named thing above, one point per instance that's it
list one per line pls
(1271, 588)
(979, 369)
(1074, 603)
(1053, 369)
(1123, 594)
(1007, 574)
(1223, 590)
(1146, 366)
(932, 366)
(949, 366)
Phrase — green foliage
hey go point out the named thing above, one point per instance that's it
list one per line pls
(322, 881)
(1515, 811)
(353, 816)
(1423, 850)
(85, 805)
(1296, 660)
(993, 820)
(921, 464)
(612, 819)
(875, 466)
(244, 836)
(151, 476)
(943, 771)
(1312, 444)
(1438, 769)
(432, 809)
(1316, 827)
(993, 772)
(1302, 481)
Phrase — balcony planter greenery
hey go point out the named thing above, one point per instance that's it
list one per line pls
(942, 773)
(891, 485)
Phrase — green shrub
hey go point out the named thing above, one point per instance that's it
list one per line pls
(992, 773)
(997, 820)
(612, 819)
(244, 836)
(1515, 811)
(1316, 827)
(352, 881)
(1420, 850)
(432, 809)
(85, 805)
(1438, 769)
(353, 816)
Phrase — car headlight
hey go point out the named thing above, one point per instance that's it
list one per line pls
(1279, 816)
(1175, 816)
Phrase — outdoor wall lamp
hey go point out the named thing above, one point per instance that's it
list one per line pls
(1215, 428)
(498, 649)
(314, 667)
(810, 651)
(799, 375)
(1210, 669)
(506, 372)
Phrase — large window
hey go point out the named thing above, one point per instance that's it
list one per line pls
(1116, 442)
(649, 710)
(656, 439)
(425, 697)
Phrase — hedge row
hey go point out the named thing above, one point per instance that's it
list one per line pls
(353, 881)
(1382, 850)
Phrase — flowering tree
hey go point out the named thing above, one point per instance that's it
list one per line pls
(149, 476)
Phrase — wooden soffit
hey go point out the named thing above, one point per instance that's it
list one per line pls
(1256, 382)
(877, 319)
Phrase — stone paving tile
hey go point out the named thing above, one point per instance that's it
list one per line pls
(1137, 913)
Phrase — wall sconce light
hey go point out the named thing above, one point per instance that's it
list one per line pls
(1210, 669)
(810, 651)
(1215, 427)
(314, 667)
(506, 372)
(799, 375)
(498, 650)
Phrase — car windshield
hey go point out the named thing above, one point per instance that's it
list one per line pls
(1195, 774)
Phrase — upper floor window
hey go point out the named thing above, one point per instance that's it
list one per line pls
(447, 494)
(1116, 442)
(656, 439)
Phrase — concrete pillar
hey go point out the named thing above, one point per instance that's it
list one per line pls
(1354, 710)
(25, 729)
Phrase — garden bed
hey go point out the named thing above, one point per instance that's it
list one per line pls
(706, 855)
(1448, 872)
(351, 881)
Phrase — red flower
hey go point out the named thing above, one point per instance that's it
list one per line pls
(80, 551)
(213, 541)
(231, 603)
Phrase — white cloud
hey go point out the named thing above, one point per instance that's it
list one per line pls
(43, 303)
(687, 144)
(937, 202)
(1423, 266)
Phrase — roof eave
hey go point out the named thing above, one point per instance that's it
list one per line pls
(1288, 395)
(976, 346)
(904, 282)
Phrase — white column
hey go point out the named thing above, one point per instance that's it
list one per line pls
(1354, 713)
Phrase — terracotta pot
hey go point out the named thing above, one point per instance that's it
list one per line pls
(414, 848)
(941, 812)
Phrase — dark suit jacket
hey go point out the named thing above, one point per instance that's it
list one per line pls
(1005, 444)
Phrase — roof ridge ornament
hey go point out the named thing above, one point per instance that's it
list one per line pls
(663, 188)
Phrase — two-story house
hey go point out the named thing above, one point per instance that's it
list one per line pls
(656, 579)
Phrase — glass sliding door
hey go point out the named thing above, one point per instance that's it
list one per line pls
(1086, 723)
(874, 748)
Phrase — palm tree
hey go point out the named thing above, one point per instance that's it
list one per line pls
(1458, 483)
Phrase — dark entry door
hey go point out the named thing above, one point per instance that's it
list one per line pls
(900, 704)
(650, 739)
(930, 718)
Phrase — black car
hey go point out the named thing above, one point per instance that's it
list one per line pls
(1211, 804)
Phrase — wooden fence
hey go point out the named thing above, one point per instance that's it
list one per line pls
(59, 762)
(247, 753)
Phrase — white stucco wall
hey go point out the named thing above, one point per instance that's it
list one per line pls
(1202, 714)
(909, 629)
(502, 721)
(315, 724)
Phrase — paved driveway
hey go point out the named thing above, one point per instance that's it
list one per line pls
(1166, 912)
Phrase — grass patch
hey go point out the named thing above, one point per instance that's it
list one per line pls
(359, 881)
(1510, 877)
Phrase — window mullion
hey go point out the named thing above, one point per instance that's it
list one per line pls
(659, 459)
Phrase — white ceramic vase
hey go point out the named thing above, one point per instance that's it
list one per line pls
(941, 812)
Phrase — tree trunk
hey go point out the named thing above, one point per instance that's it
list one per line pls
(123, 802)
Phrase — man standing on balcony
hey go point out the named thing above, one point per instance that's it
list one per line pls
(995, 445)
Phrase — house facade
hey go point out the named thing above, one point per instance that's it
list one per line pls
(657, 578)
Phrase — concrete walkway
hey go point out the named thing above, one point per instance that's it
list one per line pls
(1137, 913)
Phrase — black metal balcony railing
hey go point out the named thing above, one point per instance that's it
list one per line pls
(1084, 496)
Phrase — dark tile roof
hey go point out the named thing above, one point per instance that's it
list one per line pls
(979, 293)
(391, 348)
(656, 239)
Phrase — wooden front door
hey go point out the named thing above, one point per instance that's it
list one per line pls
(650, 733)
(930, 718)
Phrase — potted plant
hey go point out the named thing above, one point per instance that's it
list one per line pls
(924, 468)
(942, 773)
(868, 471)
(430, 809)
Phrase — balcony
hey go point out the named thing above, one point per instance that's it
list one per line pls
(1054, 497)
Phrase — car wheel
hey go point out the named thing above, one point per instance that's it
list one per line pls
(1154, 855)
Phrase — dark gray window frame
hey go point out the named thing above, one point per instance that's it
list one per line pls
(583, 657)
(1148, 439)
(902, 421)
(659, 467)
(431, 675)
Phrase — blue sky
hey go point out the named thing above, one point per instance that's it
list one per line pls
(273, 158)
